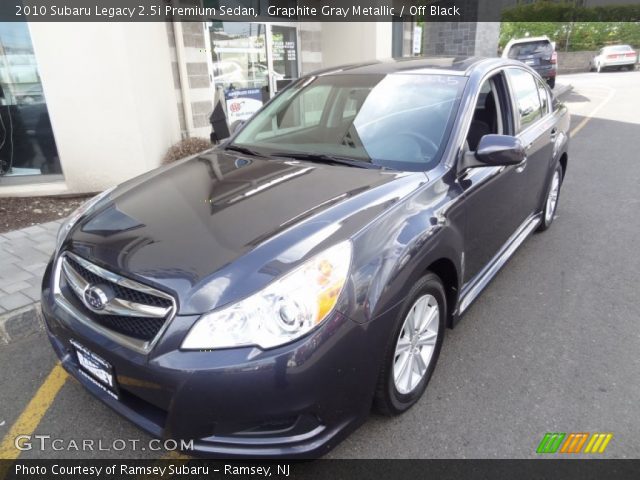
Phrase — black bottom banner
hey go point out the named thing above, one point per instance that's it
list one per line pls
(321, 469)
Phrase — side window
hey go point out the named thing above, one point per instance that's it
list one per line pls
(545, 98)
(486, 115)
(525, 91)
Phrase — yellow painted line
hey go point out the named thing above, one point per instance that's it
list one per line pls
(31, 416)
(592, 113)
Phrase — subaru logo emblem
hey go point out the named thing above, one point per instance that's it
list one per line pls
(95, 297)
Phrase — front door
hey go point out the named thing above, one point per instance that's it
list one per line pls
(492, 194)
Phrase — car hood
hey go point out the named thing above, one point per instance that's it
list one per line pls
(216, 227)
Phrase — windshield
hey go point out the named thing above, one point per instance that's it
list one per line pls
(398, 121)
(619, 48)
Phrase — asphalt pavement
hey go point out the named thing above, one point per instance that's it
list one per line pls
(550, 346)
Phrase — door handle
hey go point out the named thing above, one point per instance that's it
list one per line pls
(522, 165)
(554, 134)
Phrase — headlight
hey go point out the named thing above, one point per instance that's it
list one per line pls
(77, 214)
(285, 310)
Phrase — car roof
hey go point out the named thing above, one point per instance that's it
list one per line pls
(542, 38)
(437, 65)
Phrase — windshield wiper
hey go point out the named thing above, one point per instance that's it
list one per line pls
(245, 150)
(323, 158)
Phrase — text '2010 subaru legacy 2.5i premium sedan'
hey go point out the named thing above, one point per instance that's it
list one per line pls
(258, 298)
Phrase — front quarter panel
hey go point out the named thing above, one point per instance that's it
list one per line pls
(396, 249)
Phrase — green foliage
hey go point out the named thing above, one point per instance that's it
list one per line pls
(548, 11)
(574, 36)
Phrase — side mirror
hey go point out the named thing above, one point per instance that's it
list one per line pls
(495, 151)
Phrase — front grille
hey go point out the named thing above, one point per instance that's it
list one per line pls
(120, 291)
(134, 326)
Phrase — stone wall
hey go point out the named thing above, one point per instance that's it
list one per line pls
(574, 62)
(195, 41)
(449, 38)
(461, 38)
(487, 38)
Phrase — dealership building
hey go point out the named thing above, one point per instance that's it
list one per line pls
(84, 106)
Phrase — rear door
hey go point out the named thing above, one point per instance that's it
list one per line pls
(537, 131)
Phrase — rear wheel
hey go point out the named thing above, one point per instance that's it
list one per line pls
(551, 203)
(413, 349)
(551, 82)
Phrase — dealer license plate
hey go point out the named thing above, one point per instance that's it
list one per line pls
(96, 369)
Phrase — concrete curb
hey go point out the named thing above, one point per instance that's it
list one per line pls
(21, 323)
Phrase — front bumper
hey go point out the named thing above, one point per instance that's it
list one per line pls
(298, 400)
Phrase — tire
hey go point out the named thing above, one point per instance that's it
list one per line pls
(551, 202)
(551, 82)
(391, 399)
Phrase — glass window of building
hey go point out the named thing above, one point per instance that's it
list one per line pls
(251, 63)
(27, 144)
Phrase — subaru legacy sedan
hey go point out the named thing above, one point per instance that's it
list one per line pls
(259, 298)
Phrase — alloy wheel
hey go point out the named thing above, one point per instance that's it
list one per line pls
(416, 344)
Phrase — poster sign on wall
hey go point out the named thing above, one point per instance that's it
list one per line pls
(242, 103)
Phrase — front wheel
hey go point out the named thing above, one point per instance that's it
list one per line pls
(413, 349)
(551, 203)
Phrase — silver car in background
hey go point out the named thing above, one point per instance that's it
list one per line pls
(620, 57)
